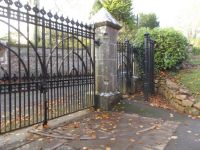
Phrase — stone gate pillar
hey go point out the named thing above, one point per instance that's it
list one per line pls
(106, 31)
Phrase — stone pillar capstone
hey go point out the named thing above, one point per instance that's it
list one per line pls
(106, 31)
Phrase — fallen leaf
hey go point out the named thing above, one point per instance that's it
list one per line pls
(45, 126)
(189, 131)
(108, 148)
(40, 139)
(171, 115)
(131, 140)
(173, 137)
(112, 139)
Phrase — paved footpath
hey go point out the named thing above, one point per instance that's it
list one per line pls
(137, 126)
(186, 136)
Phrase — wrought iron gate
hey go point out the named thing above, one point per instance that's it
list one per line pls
(46, 66)
(126, 66)
(148, 67)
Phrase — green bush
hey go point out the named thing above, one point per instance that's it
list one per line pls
(196, 50)
(170, 47)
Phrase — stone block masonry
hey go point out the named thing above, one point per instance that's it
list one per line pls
(179, 97)
(106, 29)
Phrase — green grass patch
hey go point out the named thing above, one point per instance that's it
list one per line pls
(194, 59)
(190, 79)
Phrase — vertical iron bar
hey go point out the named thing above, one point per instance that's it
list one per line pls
(24, 98)
(73, 67)
(57, 72)
(94, 74)
(77, 76)
(63, 71)
(146, 79)
(15, 97)
(36, 66)
(28, 67)
(149, 65)
(152, 56)
(44, 71)
(5, 90)
(68, 69)
(19, 66)
(51, 71)
(82, 70)
(86, 77)
(9, 72)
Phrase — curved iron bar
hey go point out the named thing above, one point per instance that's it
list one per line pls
(73, 66)
(85, 47)
(5, 72)
(26, 70)
(26, 39)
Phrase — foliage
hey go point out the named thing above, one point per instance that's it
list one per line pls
(96, 7)
(148, 20)
(170, 47)
(127, 33)
(120, 9)
(196, 50)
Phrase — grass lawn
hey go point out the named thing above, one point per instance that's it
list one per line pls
(191, 80)
(195, 60)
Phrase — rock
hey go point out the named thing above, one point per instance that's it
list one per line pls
(178, 107)
(187, 103)
(181, 96)
(184, 91)
(178, 101)
(192, 111)
(192, 99)
(197, 105)
(172, 85)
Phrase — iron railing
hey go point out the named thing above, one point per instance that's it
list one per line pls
(148, 67)
(125, 66)
(47, 66)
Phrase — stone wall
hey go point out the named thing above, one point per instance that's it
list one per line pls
(179, 97)
(55, 61)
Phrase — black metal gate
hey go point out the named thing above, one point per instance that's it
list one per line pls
(148, 67)
(125, 66)
(46, 66)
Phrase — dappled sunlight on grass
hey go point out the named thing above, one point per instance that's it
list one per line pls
(190, 78)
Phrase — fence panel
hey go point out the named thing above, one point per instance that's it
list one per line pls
(46, 66)
(126, 66)
(148, 67)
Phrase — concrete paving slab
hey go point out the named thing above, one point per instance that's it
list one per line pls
(105, 130)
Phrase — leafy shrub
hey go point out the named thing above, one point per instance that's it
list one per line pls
(170, 47)
(196, 50)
